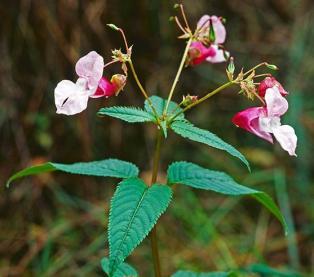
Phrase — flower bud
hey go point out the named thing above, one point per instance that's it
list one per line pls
(272, 66)
(230, 69)
(113, 27)
(189, 99)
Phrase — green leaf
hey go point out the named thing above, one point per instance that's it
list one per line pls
(198, 177)
(266, 270)
(128, 114)
(123, 270)
(160, 104)
(105, 168)
(182, 273)
(187, 130)
(135, 209)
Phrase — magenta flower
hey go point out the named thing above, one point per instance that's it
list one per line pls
(199, 53)
(72, 98)
(108, 88)
(270, 82)
(264, 121)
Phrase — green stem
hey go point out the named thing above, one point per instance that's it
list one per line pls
(255, 67)
(142, 89)
(153, 234)
(210, 94)
(187, 47)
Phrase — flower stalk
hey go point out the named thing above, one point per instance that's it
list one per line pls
(187, 47)
(210, 94)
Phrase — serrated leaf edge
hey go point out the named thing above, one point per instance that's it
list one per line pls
(133, 215)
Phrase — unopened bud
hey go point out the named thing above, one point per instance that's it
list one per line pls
(171, 18)
(176, 6)
(113, 27)
(230, 69)
(189, 99)
(272, 66)
(231, 66)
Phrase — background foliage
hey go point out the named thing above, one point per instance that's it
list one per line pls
(54, 223)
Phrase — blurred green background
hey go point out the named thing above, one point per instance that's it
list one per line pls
(55, 225)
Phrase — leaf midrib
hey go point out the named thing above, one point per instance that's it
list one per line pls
(128, 227)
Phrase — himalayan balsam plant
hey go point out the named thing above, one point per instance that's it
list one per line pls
(136, 206)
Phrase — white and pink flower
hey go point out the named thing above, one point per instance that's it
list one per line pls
(72, 98)
(203, 49)
(203, 26)
(265, 121)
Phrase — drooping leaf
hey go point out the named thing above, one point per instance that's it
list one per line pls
(187, 130)
(135, 209)
(104, 168)
(128, 114)
(198, 177)
(182, 273)
(123, 270)
(160, 104)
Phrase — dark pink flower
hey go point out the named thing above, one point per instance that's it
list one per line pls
(108, 88)
(264, 121)
(270, 82)
(198, 53)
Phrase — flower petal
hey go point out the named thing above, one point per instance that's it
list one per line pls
(219, 56)
(105, 89)
(276, 104)
(287, 138)
(270, 82)
(249, 121)
(91, 67)
(220, 30)
(198, 53)
(203, 23)
(70, 98)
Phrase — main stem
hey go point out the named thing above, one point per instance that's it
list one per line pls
(153, 234)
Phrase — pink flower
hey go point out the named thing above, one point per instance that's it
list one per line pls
(264, 121)
(219, 57)
(203, 49)
(108, 88)
(204, 24)
(199, 53)
(270, 82)
(72, 98)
